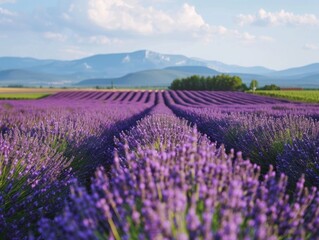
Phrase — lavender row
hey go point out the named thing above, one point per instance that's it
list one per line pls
(43, 144)
(216, 98)
(184, 98)
(263, 136)
(117, 97)
(226, 102)
(175, 184)
(34, 180)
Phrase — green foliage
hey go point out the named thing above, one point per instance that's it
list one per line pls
(15, 86)
(270, 87)
(20, 96)
(253, 84)
(244, 87)
(303, 96)
(217, 83)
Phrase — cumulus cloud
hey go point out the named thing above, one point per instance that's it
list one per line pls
(244, 37)
(6, 16)
(264, 18)
(108, 22)
(247, 36)
(6, 12)
(133, 16)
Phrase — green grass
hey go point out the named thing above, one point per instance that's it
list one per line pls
(311, 96)
(21, 96)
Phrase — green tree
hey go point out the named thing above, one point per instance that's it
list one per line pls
(253, 85)
(270, 87)
(215, 83)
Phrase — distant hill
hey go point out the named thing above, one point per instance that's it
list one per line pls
(24, 77)
(116, 65)
(155, 77)
(140, 67)
(7, 63)
(226, 68)
(164, 77)
(307, 70)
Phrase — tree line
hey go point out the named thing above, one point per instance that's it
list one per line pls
(221, 82)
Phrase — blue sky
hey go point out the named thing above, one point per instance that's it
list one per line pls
(272, 33)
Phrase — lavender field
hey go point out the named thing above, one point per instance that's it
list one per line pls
(159, 165)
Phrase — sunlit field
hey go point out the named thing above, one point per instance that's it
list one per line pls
(295, 95)
(158, 165)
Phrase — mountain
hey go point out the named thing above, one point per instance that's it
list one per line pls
(226, 68)
(298, 71)
(164, 77)
(100, 66)
(28, 78)
(117, 65)
(158, 77)
(21, 63)
(141, 67)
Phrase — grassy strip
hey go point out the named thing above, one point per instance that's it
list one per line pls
(22, 96)
(311, 96)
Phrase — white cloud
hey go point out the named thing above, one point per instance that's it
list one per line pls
(113, 22)
(264, 18)
(189, 19)
(122, 15)
(221, 30)
(133, 19)
(133, 16)
(247, 36)
(6, 16)
(6, 12)
(55, 36)
(311, 46)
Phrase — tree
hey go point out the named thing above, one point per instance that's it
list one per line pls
(215, 83)
(270, 87)
(253, 85)
(244, 87)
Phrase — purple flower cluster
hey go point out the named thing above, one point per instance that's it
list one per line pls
(187, 189)
(301, 156)
(158, 131)
(43, 144)
(260, 133)
(34, 179)
(113, 165)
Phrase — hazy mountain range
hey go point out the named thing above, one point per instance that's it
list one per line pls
(140, 68)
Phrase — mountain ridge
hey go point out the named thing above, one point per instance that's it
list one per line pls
(163, 77)
(119, 65)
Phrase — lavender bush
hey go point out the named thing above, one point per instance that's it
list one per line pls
(260, 135)
(44, 143)
(34, 180)
(186, 191)
(301, 156)
(164, 180)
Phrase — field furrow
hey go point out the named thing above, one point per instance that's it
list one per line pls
(158, 165)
